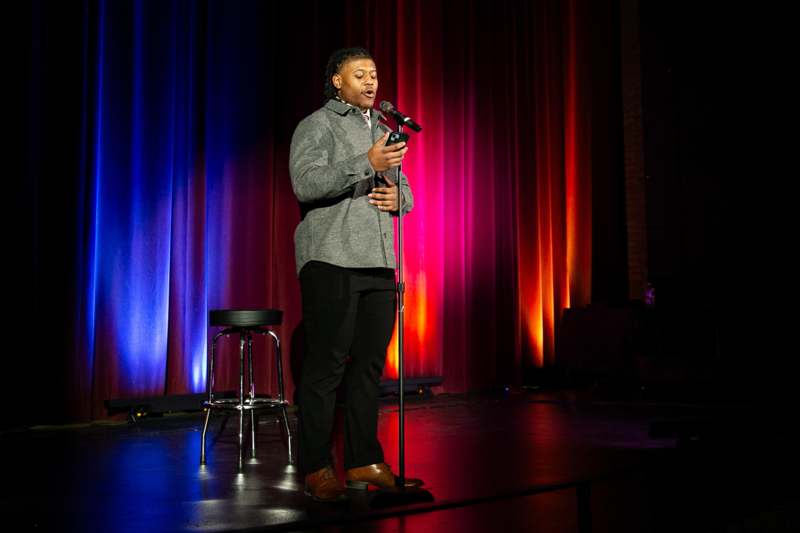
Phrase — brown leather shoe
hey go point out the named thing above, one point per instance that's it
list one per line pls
(379, 475)
(323, 486)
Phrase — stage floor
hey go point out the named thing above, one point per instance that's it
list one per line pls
(557, 461)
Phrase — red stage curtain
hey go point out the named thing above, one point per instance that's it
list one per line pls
(183, 201)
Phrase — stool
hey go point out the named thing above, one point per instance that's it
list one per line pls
(245, 323)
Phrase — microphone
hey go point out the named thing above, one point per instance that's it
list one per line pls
(403, 120)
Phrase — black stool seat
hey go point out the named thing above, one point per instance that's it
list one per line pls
(245, 318)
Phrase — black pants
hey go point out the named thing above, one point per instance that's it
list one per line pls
(346, 311)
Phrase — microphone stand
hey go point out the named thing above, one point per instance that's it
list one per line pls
(401, 289)
(401, 495)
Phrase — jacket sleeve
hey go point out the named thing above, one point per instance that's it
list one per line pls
(313, 177)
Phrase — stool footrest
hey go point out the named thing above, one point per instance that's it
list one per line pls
(233, 404)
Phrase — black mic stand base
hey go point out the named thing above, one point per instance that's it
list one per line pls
(400, 496)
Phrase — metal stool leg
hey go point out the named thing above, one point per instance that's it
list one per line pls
(203, 438)
(210, 384)
(284, 414)
(241, 398)
(252, 396)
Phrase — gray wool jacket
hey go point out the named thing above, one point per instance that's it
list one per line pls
(331, 177)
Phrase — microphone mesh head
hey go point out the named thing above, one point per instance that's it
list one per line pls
(386, 106)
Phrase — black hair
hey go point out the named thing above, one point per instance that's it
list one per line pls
(337, 59)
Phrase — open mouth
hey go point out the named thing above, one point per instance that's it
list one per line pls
(369, 93)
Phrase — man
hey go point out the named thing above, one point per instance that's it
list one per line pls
(345, 178)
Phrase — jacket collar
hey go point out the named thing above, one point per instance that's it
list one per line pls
(342, 109)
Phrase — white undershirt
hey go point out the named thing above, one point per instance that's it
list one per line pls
(366, 116)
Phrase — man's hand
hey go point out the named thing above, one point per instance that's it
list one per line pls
(383, 157)
(386, 198)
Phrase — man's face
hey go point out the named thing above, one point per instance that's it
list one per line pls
(357, 82)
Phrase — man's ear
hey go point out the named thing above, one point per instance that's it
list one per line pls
(337, 81)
